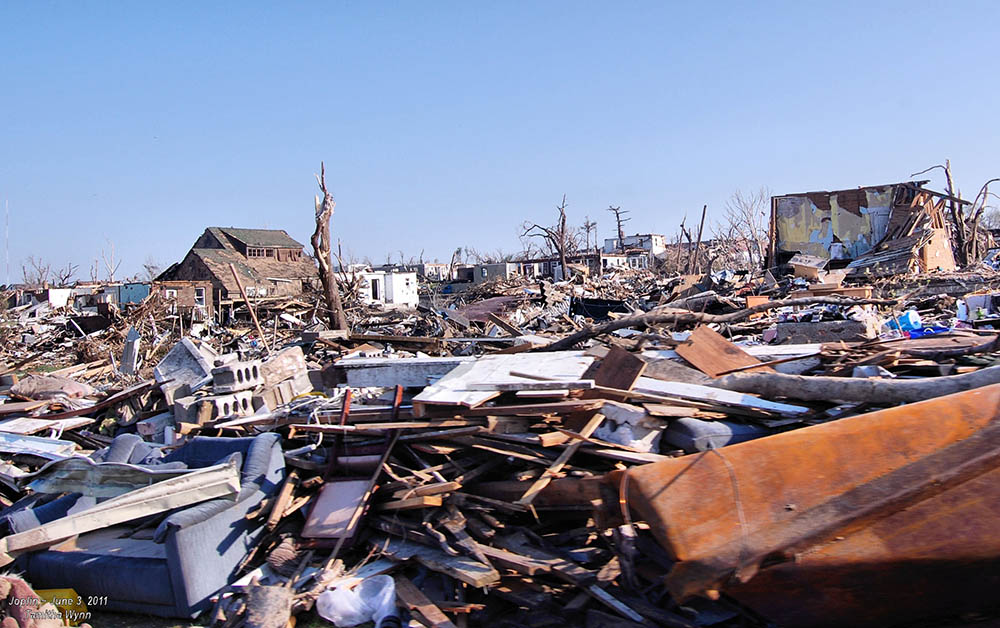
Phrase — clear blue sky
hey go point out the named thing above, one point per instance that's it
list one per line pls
(446, 124)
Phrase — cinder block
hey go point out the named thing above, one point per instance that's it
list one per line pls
(186, 409)
(283, 365)
(229, 378)
(273, 396)
(236, 404)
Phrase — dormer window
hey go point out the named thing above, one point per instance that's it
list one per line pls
(259, 252)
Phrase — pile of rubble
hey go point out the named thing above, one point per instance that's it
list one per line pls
(531, 454)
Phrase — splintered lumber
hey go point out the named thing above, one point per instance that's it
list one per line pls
(504, 325)
(560, 462)
(875, 390)
(414, 600)
(532, 561)
(531, 386)
(412, 503)
(666, 314)
(718, 393)
(253, 312)
(713, 355)
(464, 568)
(561, 493)
(373, 426)
(453, 389)
(283, 499)
(427, 489)
(15, 407)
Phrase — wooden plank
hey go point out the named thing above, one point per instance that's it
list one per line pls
(15, 407)
(413, 598)
(504, 325)
(27, 425)
(283, 499)
(427, 489)
(619, 369)
(546, 477)
(452, 389)
(411, 503)
(715, 395)
(463, 568)
(713, 355)
(527, 385)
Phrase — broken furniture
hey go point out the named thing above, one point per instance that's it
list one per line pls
(193, 551)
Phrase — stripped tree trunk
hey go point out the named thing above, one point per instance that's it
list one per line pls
(321, 248)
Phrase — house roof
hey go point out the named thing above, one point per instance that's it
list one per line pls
(255, 270)
(261, 237)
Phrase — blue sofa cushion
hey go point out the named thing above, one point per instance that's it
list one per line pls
(143, 580)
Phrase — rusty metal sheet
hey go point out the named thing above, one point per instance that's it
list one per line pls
(831, 511)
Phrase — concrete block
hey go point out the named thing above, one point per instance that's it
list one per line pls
(238, 404)
(186, 409)
(236, 376)
(824, 331)
(186, 363)
(283, 365)
(273, 396)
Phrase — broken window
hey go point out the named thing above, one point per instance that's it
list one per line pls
(199, 296)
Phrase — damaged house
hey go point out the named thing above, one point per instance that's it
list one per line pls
(900, 228)
(268, 262)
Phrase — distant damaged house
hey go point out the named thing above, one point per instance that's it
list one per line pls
(268, 262)
(878, 230)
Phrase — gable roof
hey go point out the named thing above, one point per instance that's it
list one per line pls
(278, 238)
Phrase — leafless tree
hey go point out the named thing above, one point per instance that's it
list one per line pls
(991, 217)
(64, 275)
(589, 226)
(745, 220)
(110, 264)
(321, 247)
(620, 222)
(35, 272)
(151, 267)
(559, 237)
(966, 219)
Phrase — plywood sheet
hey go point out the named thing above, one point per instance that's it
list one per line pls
(713, 355)
(335, 505)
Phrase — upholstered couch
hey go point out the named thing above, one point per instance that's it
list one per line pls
(170, 570)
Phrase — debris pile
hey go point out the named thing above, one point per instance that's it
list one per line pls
(729, 448)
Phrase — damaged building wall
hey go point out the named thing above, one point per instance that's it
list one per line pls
(833, 225)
